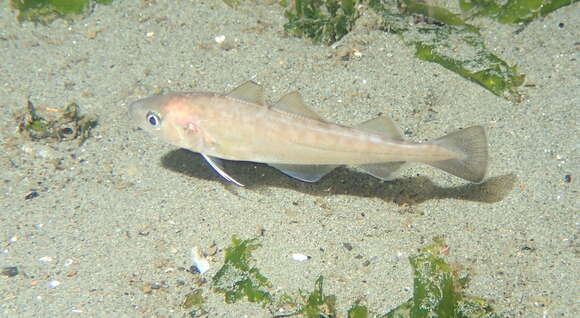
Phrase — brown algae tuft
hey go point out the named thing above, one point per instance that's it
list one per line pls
(55, 124)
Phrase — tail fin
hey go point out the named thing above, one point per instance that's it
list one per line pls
(471, 144)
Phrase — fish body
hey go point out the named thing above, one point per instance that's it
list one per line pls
(292, 138)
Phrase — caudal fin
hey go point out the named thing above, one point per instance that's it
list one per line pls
(471, 145)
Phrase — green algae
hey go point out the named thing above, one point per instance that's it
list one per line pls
(236, 279)
(45, 11)
(438, 289)
(358, 311)
(449, 41)
(317, 303)
(324, 21)
(444, 37)
(512, 11)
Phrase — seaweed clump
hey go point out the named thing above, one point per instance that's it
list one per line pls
(237, 279)
(324, 21)
(56, 124)
(45, 11)
(437, 34)
(317, 303)
(437, 289)
(445, 38)
(512, 11)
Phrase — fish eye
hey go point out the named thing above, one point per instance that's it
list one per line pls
(154, 120)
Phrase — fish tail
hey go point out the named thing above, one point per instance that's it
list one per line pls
(471, 145)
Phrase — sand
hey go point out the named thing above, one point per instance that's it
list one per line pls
(115, 218)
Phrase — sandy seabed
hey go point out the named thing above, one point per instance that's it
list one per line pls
(114, 219)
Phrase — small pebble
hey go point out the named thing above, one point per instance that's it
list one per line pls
(31, 195)
(10, 271)
(568, 178)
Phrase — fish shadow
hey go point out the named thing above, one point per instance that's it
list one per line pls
(406, 191)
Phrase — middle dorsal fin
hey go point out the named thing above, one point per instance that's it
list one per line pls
(292, 103)
(249, 92)
(381, 125)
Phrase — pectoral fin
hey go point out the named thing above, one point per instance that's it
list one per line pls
(306, 173)
(217, 165)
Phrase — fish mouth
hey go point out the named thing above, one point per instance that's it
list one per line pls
(137, 114)
(133, 110)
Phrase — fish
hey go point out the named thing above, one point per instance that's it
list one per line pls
(294, 139)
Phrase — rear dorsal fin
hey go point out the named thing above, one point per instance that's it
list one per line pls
(249, 92)
(292, 103)
(383, 126)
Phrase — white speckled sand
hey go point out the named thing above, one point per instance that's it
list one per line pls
(122, 212)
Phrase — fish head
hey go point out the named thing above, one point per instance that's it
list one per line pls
(170, 117)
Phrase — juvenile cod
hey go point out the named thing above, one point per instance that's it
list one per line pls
(292, 138)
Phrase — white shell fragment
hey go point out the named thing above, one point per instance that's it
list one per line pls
(220, 39)
(53, 284)
(45, 259)
(199, 260)
(300, 257)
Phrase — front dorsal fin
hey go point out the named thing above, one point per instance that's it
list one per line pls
(249, 92)
(382, 126)
(292, 103)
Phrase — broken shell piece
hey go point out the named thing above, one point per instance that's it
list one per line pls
(53, 284)
(199, 260)
(300, 257)
(45, 259)
(220, 39)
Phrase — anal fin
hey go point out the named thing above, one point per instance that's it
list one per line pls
(383, 171)
(306, 173)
